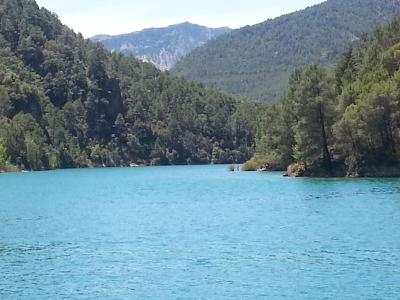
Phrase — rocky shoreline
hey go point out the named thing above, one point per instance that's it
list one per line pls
(339, 171)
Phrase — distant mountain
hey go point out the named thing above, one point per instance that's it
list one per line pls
(161, 46)
(255, 61)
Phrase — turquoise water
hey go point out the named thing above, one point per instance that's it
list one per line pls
(197, 233)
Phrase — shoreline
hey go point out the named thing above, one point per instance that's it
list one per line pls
(284, 173)
(110, 167)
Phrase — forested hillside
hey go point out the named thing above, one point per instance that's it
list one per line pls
(66, 102)
(342, 122)
(161, 46)
(255, 62)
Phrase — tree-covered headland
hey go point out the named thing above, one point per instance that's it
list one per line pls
(340, 121)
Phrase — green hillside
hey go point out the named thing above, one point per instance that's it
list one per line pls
(255, 62)
(67, 102)
(342, 122)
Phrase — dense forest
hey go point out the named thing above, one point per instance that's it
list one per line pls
(255, 62)
(67, 102)
(341, 122)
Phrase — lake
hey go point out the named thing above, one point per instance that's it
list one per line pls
(197, 232)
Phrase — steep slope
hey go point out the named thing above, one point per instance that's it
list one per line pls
(255, 61)
(67, 102)
(161, 46)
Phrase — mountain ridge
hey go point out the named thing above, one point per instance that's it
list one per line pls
(162, 46)
(254, 62)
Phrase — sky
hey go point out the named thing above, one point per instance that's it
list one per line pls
(91, 17)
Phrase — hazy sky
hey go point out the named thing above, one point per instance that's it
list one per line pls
(92, 17)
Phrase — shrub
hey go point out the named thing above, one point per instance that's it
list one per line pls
(250, 166)
(5, 165)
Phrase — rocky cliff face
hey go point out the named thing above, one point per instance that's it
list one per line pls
(161, 46)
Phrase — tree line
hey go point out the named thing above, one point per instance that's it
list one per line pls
(338, 121)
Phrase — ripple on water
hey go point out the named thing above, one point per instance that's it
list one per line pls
(197, 232)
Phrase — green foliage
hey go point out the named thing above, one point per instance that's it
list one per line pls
(5, 165)
(4, 102)
(249, 166)
(312, 97)
(3, 156)
(298, 155)
(255, 62)
(350, 118)
(67, 102)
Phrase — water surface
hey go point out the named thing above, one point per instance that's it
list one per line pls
(197, 233)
